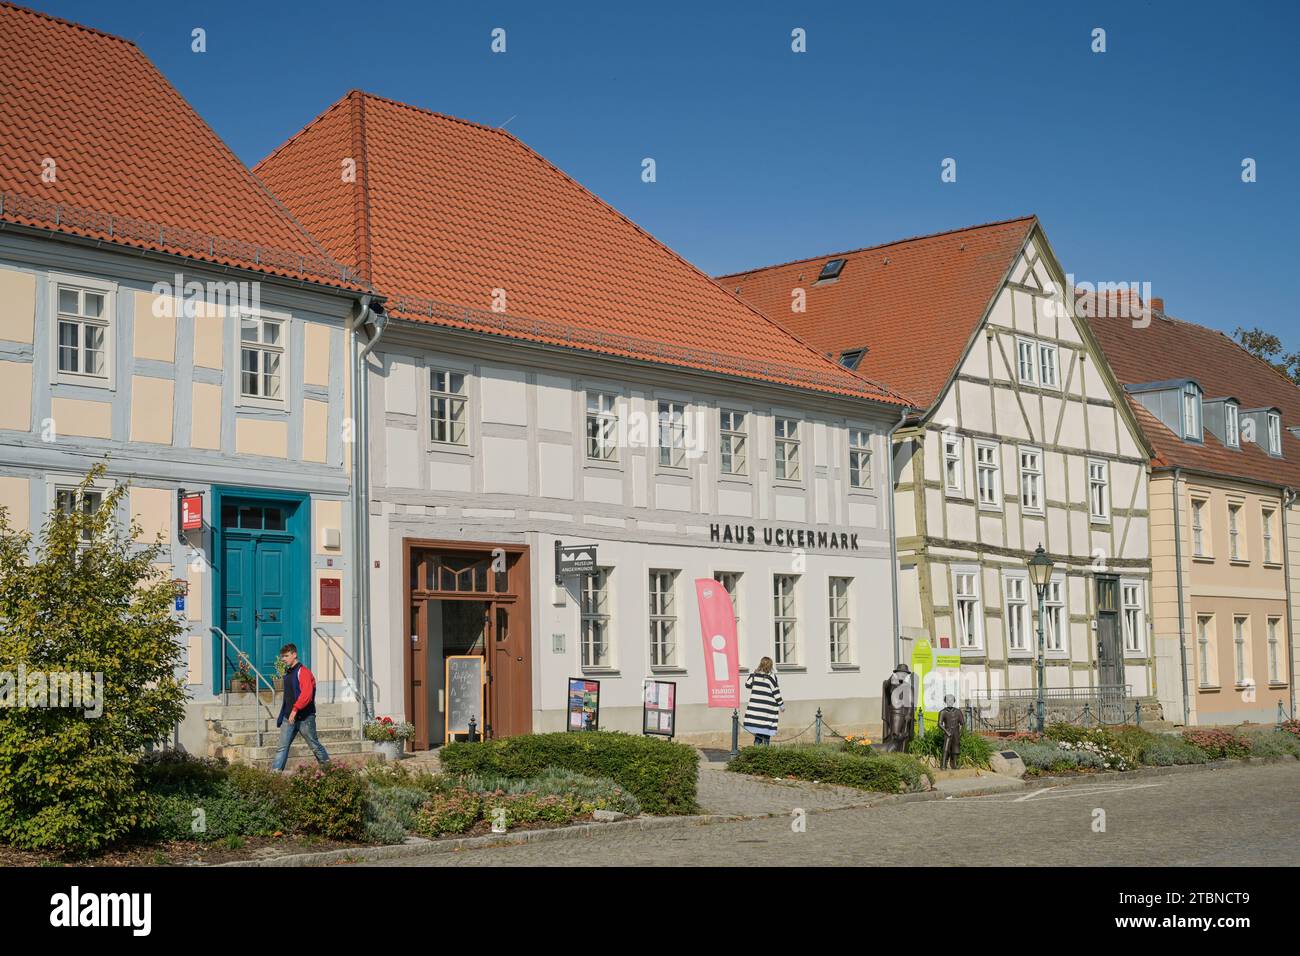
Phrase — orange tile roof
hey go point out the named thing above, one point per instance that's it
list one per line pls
(913, 303)
(442, 212)
(133, 164)
(1170, 350)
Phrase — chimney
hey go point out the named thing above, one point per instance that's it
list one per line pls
(1158, 304)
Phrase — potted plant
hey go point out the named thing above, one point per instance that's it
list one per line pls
(278, 681)
(389, 735)
(242, 681)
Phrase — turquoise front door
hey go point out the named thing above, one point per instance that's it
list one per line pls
(260, 582)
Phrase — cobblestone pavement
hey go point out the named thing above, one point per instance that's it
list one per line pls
(737, 794)
(1243, 816)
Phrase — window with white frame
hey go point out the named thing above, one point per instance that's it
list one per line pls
(730, 581)
(263, 359)
(1131, 609)
(1016, 611)
(838, 595)
(87, 501)
(1192, 411)
(1235, 550)
(987, 481)
(1054, 619)
(1026, 361)
(1231, 425)
(966, 609)
(859, 458)
(1031, 479)
(1205, 648)
(1274, 642)
(734, 442)
(1266, 515)
(447, 404)
(785, 619)
(596, 619)
(1274, 434)
(663, 619)
(1199, 548)
(1099, 490)
(602, 426)
(787, 448)
(1047, 365)
(672, 434)
(1241, 648)
(83, 339)
(953, 468)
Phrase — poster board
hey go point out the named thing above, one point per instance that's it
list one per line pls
(583, 704)
(659, 708)
(465, 679)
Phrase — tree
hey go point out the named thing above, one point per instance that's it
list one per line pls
(1267, 346)
(86, 599)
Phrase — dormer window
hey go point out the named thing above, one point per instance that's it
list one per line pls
(831, 270)
(1192, 412)
(1275, 434)
(1231, 426)
(851, 358)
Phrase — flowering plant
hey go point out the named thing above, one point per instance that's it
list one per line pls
(857, 744)
(386, 730)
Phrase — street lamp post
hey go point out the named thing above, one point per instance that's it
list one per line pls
(1040, 572)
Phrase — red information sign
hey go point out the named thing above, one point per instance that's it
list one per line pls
(191, 512)
(721, 655)
(331, 597)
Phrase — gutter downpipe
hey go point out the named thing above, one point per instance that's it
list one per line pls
(893, 534)
(361, 656)
(1288, 499)
(1182, 621)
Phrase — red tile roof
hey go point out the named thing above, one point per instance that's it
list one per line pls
(1170, 350)
(133, 163)
(442, 212)
(913, 303)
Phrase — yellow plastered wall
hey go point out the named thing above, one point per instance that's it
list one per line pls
(208, 327)
(13, 497)
(205, 416)
(315, 424)
(255, 436)
(15, 394)
(316, 354)
(326, 514)
(194, 596)
(155, 335)
(153, 508)
(194, 675)
(151, 409)
(76, 417)
(17, 305)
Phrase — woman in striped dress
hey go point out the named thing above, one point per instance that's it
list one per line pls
(765, 702)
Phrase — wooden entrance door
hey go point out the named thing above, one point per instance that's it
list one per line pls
(1110, 653)
(448, 584)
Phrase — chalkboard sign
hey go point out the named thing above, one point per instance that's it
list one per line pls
(465, 681)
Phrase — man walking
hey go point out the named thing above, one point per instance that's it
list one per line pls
(298, 712)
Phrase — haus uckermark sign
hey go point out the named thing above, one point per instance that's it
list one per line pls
(781, 537)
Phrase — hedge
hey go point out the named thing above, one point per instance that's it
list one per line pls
(884, 773)
(660, 774)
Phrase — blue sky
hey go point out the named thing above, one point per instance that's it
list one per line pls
(1131, 158)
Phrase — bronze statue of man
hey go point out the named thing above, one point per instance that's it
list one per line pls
(898, 710)
(951, 720)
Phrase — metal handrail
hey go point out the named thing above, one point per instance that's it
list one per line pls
(327, 640)
(225, 685)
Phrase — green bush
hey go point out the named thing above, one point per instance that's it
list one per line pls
(84, 599)
(175, 771)
(392, 812)
(591, 793)
(225, 813)
(884, 773)
(658, 773)
(1218, 744)
(1048, 756)
(533, 808)
(1274, 744)
(1164, 750)
(329, 801)
(975, 748)
(452, 812)
(1115, 752)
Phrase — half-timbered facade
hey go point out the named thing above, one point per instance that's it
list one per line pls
(1025, 440)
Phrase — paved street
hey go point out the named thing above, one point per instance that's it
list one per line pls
(1242, 816)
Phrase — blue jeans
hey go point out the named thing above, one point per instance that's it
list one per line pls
(290, 729)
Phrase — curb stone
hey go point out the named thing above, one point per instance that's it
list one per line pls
(424, 847)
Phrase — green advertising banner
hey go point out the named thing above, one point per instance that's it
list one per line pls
(937, 674)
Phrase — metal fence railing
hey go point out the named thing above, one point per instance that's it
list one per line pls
(1017, 710)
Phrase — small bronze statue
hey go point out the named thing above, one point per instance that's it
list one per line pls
(898, 710)
(951, 720)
